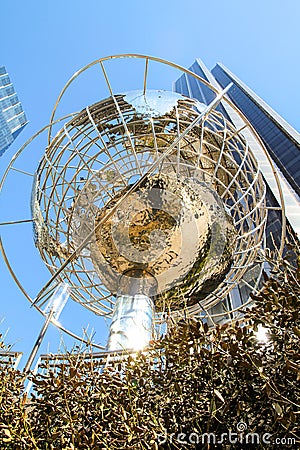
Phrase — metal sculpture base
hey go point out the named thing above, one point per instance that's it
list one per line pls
(132, 323)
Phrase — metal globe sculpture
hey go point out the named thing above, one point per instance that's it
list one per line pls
(146, 203)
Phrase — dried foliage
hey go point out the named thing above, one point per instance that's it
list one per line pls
(195, 380)
(14, 425)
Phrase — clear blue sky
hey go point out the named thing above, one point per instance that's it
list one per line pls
(44, 42)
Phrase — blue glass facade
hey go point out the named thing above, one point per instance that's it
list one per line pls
(281, 145)
(191, 87)
(281, 142)
(188, 85)
(12, 116)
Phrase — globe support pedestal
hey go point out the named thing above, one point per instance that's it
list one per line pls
(132, 322)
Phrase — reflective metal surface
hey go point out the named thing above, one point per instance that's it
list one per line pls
(131, 323)
(174, 227)
(197, 215)
(58, 300)
(101, 153)
(156, 103)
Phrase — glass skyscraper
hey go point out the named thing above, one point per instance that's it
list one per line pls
(281, 141)
(12, 116)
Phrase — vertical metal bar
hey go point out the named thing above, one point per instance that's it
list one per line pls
(30, 382)
(121, 117)
(38, 342)
(145, 76)
(17, 361)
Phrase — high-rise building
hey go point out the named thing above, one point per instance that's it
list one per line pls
(281, 141)
(12, 116)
